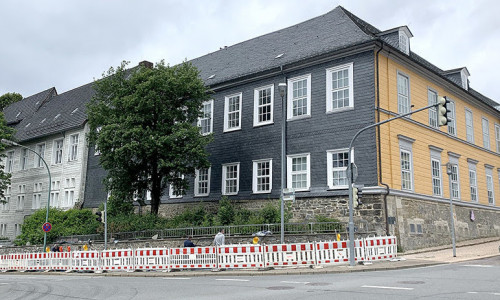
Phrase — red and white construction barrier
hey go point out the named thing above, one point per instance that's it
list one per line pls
(60, 261)
(151, 259)
(240, 256)
(283, 255)
(227, 256)
(85, 261)
(4, 262)
(117, 260)
(193, 258)
(380, 248)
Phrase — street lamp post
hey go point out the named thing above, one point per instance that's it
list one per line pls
(11, 143)
(449, 171)
(282, 90)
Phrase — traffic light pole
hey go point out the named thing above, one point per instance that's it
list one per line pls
(351, 179)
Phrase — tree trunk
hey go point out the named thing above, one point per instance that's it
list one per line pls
(155, 190)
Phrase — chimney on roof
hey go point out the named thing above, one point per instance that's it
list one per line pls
(146, 64)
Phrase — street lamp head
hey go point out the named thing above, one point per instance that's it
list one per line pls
(282, 89)
(9, 142)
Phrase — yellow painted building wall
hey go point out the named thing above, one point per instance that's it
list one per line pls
(424, 136)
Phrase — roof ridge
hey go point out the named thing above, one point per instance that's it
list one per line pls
(362, 24)
(267, 34)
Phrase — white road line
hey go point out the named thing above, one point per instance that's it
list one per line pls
(298, 282)
(230, 279)
(177, 278)
(387, 287)
(471, 292)
(479, 266)
(3, 283)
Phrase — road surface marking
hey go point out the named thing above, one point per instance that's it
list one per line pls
(386, 287)
(177, 278)
(305, 282)
(3, 283)
(471, 292)
(230, 279)
(479, 266)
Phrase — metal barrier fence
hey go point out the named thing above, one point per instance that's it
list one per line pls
(361, 227)
(226, 256)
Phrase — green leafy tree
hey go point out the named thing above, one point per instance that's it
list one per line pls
(143, 121)
(9, 98)
(5, 133)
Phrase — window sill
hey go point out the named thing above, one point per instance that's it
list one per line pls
(201, 195)
(339, 188)
(298, 118)
(263, 124)
(339, 110)
(260, 193)
(232, 129)
(231, 194)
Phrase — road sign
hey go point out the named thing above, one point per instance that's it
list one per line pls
(288, 191)
(47, 227)
(288, 197)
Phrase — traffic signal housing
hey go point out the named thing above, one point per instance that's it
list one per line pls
(100, 216)
(356, 195)
(443, 111)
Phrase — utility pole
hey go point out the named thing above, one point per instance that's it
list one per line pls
(351, 179)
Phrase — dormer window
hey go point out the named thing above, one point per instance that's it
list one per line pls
(465, 78)
(404, 42)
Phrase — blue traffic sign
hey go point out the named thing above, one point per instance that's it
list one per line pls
(47, 227)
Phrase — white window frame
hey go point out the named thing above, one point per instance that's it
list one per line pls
(256, 176)
(290, 171)
(69, 198)
(207, 116)
(469, 126)
(171, 192)
(54, 199)
(36, 201)
(3, 230)
(401, 96)
(24, 158)
(473, 185)
(290, 98)
(40, 149)
(57, 152)
(6, 205)
(452, 124)
(490, 189)
(330, 90)
(20, 202)
(197, 183)
(455, 182)
(227, 112)
(73, 147)
(257, 105)
(437, 179)
(330, 169)
(10, 162)
(497, 137)
(485, 124)
(404, 42)
(432, 98)
(407, 171)
(225, 179)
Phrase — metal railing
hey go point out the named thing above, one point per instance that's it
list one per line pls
(361, 228)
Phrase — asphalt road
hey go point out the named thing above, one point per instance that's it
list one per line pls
(479, 279)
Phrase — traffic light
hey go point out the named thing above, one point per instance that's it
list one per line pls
(356, 194)
(100, 216)
(443, 111)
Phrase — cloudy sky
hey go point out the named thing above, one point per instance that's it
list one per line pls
(65, 44)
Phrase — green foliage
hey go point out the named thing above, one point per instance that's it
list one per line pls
(120, 204)
(5, 133)
(71, 222)
(225, 214)
(143, 121)
(9, 98)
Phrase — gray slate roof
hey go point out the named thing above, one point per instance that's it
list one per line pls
(332, 31)
(17, 111)
(62, 112)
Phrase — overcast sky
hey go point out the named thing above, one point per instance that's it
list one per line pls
(65, 44)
